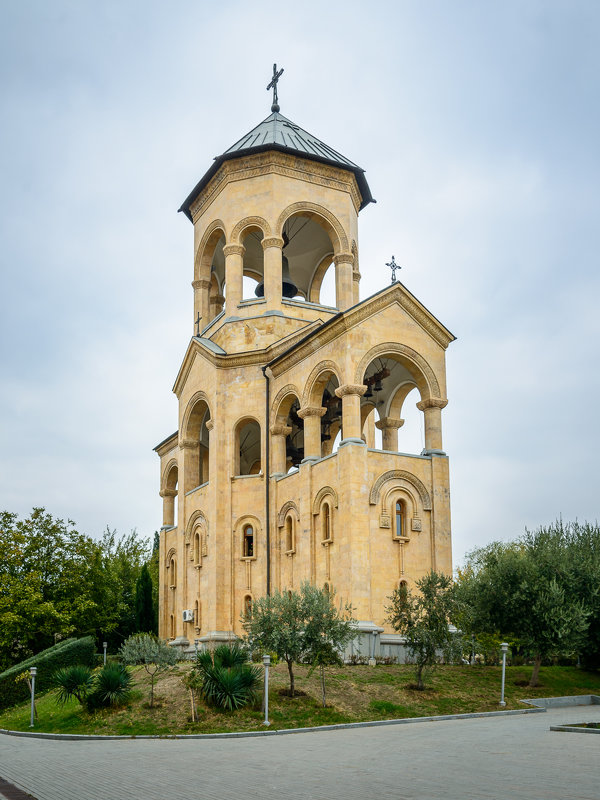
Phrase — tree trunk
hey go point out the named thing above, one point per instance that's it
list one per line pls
(536, 670)
(152, 691)
(419, 676)
(291, 672)
(323, 685)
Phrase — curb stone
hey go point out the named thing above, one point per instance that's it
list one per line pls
(251, 734)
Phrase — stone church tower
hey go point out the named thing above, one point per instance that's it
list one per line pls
(273, 476)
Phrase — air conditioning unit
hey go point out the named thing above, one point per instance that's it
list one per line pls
(188, 615)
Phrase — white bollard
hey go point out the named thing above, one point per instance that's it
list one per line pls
(504, 648)
(33, 673)
(266, 662)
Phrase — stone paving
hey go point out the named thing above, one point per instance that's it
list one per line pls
(490, 757)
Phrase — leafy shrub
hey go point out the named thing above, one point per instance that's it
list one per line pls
(153, 653)
(112, 687)
(63, 654)
(227, 681)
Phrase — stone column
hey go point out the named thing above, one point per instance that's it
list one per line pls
(356, 276)
(168, 496)
(351, 422)
(278, 459)
(206, 470)
(432, 409)
(273, 247)
(234, 276)
(389, 428)
(191, 464)
(312, 431)
(201, 303)
(344, 294)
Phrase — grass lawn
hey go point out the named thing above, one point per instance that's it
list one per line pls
(354, 694)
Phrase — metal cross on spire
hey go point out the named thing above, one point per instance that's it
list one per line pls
(273, 85)
(393, 266)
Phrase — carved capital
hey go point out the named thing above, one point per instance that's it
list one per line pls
(218, 298)
(188, 444)
(272, 241)
(356, 276)
(201, 284)
(343, 258)
(311, 411)
(168, 493)
(388, 422)
(210, 424)
(432, 402)
(351, 388)
(234, 250)
(280, 430)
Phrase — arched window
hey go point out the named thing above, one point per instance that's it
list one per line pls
(248, 541)
(400, 520)
(172, 626)
(290, 544)
(247, 611)
(173, 571)
(197, 615)
(197, 547)
(326, 527)
(248, 449)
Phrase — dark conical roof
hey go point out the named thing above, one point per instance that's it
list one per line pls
(277, 132)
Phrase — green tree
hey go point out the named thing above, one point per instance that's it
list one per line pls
(523, 591)
(155, 655)
(295, 624)
(424, 620)
(144, 606)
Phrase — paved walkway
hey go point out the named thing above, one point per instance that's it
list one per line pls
(471, 759)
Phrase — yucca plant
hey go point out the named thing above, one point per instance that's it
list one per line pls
(112, 687)
(74, 681)
(228, 682)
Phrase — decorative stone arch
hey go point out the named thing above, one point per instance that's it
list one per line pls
(396, 401)
(418, 367)
(185, 431)
(287, 392)
(285, 510)
(397, 475)
(321, 216)
(206, 249)
(312, 383)
(325, 491)
(170, 555)
(197, 518)
(164, 484)
(249, 222)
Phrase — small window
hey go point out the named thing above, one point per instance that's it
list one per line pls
(173, 571)
(197, 547)
(289, 535)
(172, 626)
(248, 541)
(400, 520)
(326, 523)
(247, 607)
(197, 615)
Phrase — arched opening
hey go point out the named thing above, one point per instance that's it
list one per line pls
(196, 438)
(331, 421)
(247, 448)
(170, 496)
(326, 523)
(248, 541)
(398, 426)
(307, 245)
(213, 254)
(254, 263)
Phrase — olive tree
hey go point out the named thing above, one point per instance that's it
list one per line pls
(154, 654)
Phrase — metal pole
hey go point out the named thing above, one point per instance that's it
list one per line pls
(32, 672)
(104, 645)
(504, 648)
(266, 662)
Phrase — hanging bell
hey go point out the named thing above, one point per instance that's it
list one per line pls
(288, 287)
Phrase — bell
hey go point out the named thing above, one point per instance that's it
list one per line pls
(288, 288)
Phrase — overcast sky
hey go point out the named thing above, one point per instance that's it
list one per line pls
(477, 124)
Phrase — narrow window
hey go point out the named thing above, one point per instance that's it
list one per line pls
(197, 550)
(248, 541)
(289, 534)
(326, 523)
(173, 569)
(172, 626)
(197, 615)
(247, 607)
(399, 519)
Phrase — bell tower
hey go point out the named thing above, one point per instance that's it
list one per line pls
(273, 476)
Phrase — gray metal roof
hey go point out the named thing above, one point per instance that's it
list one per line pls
(277, 132)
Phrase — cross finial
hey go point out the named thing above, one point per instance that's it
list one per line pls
(273, 85)
(393, 266)
(197, 323)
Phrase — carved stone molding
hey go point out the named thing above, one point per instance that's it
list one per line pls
(286, 391)
(168, 493)
(234, 250)
(416, 524)
(272, 241)
(351, 388)
(280, 430)
(316, 372)
(325, 491)
(432, 402)
(425, 371)
(400, 474)
(312, 411)
(284, 511)
(202, 283)
(388, 422)
(343, 258)
(210, 424)
(189, 444)
(249, 222)
(320, 211)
